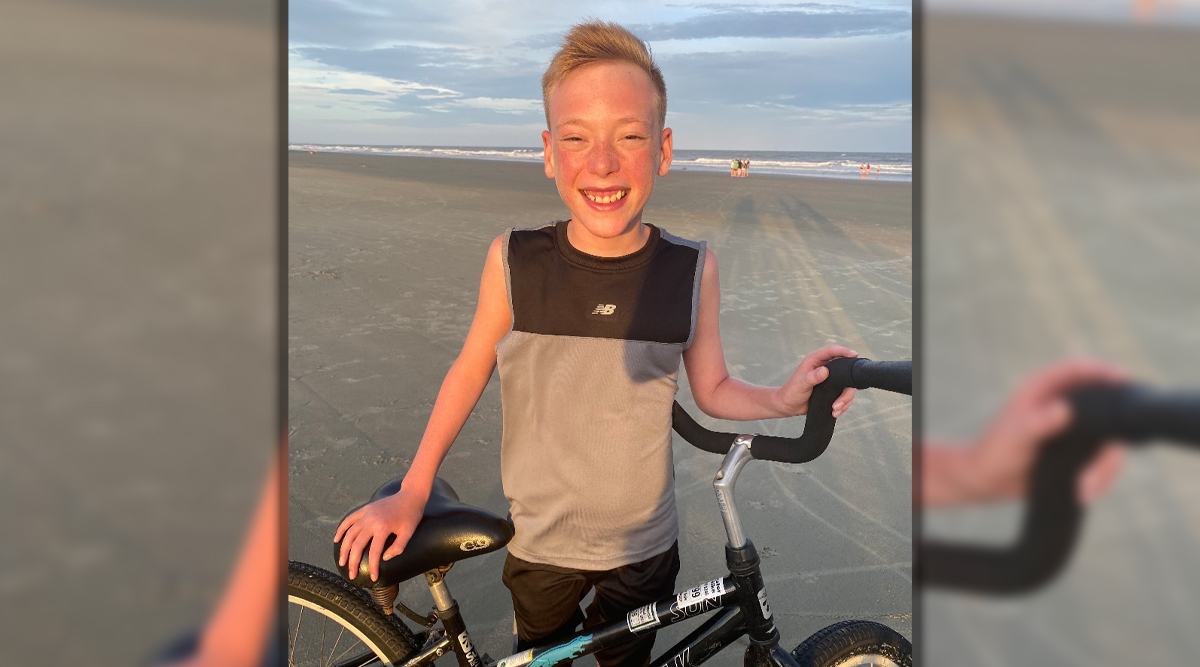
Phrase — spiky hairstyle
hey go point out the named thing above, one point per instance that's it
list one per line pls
(596, 41)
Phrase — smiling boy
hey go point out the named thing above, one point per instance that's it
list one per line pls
(587, 320)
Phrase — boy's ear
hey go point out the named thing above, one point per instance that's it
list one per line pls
(664, 164)
(547, 154)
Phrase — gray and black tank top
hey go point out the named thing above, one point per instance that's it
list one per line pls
(587, 376)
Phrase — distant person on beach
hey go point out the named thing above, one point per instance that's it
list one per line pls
(593, 508)
(877, 171)
(734, 166)
(745, 168)
(1144, 10)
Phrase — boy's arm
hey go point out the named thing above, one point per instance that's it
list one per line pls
(725, 397)
(399, 514)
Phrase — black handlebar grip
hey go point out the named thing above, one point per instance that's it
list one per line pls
(862, 373)
(1141, 413)
(1053, 516)
(818, 430)
(697, 435)
(820, 423)
(895, 376)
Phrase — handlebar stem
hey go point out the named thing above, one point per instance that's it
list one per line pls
(737, 458)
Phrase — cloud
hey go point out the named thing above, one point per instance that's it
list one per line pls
(888, 112)
(807, 21)
(797, 20)
(501, 105)
(862, 71)
(361, 23)
(306, 76)
(477, 72)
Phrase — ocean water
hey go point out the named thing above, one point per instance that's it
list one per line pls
(892, 166)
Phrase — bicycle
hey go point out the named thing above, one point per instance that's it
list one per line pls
(1053, 515)
(451, 531)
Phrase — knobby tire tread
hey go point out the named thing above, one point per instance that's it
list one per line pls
(352, 603)
(847, 639)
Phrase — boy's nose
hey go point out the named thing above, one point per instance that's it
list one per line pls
(603, 160)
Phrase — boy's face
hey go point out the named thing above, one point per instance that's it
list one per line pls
(604, 146)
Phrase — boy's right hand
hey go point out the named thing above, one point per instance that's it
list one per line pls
(999, 464)
(397, 514)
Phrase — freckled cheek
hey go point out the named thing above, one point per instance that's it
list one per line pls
(570, 162)
(641, 162)
(566, 169)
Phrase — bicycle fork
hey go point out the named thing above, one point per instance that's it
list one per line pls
(742, 559)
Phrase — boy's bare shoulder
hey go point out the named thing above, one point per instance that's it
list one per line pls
(497, 244)
(495, 258)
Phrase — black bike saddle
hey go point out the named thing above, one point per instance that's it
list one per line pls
(450, 531)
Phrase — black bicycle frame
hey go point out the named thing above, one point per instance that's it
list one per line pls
(737, 601)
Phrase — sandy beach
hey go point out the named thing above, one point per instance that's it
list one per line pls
(384, 261)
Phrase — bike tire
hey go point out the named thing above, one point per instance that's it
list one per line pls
(855, 644)
(334, 598)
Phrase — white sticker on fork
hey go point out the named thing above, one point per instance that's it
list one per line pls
(468, 650)
(762, 603)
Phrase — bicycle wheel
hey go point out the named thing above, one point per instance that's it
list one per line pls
(855, 644)
(332, 622)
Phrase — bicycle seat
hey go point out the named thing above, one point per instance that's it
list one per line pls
(449, 531)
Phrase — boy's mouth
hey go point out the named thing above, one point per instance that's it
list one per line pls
(607, 196)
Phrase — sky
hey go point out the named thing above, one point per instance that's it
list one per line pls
(820, 76)
(1182, 12)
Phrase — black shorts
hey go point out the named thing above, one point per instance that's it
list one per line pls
(546, 601)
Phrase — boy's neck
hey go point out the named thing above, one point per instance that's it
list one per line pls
(623, 244)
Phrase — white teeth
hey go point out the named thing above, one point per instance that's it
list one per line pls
(607, 199)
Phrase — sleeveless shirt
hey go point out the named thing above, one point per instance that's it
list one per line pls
(588, 373)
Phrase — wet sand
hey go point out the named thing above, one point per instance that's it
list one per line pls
(384, 262)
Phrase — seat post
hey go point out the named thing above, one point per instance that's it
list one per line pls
(452, 621)
(438, 589)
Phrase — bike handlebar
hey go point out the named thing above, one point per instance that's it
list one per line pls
(895, 376)
(1053, 515)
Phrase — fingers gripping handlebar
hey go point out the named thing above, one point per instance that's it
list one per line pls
(1052, 514)
(859, 373)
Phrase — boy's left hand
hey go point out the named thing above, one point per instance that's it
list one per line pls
(794, 394)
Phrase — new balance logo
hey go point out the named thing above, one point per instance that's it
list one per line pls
(605, 309)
